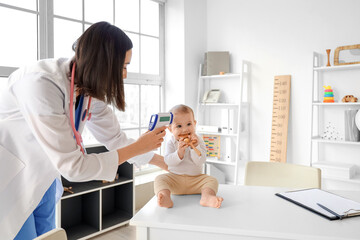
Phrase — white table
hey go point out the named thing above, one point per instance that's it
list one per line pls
(246, 213)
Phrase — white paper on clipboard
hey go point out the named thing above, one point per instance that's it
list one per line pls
(310, 198)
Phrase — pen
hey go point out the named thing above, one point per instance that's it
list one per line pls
(329, 210)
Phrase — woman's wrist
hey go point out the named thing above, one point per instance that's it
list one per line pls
(126, 153)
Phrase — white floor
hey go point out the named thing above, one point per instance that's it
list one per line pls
(122, 233)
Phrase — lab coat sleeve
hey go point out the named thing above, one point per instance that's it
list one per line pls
(106, 129)
(199, 160)
(41, 102)
(171, 156)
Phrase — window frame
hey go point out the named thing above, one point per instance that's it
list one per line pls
(5, 71)
(45, 47)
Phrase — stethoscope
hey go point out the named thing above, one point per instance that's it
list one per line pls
(86, 115)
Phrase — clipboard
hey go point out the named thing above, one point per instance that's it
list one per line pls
(323, 203)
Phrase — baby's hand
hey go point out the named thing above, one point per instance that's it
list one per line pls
(181, 148)
(194, 140)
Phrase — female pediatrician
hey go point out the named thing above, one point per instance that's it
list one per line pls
(40, 136)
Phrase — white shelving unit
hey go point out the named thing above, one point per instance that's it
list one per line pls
(235, 95)
(96, 207)
(337, 158)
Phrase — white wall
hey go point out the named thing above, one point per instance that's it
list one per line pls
(278, 37)
(185, 44)
(174, 53)
(195, 47)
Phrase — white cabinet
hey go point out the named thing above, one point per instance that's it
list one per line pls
(227, 120)
(96, 207)
(337, 157)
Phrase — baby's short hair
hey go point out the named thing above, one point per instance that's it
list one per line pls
(181, 108)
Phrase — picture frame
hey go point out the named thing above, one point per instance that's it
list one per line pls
(349, 52)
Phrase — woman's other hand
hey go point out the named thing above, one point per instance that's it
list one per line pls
(158, 160)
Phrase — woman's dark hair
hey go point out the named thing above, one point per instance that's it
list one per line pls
(99, 55)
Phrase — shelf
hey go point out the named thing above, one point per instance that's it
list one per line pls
(82, 216)
(125, 172)
(318, 139)
(348, 104)
(217, 134)
(337, 68)
(220, 104)
(355, 180)
(232, 111)
(96, 207)
(80, 231)
(228, 75)
(229, 183)
(333, 165)
(338, 170)
(92, 186)
(329, 154)
(220, 162)
(115, 218)
(116, 208)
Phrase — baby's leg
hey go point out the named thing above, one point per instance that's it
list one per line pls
(209, 198)
(162, 187)
(164, 198)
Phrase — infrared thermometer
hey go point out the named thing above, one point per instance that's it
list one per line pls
(160, 119)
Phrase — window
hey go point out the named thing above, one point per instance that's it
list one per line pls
(23, 16)
(65, 20)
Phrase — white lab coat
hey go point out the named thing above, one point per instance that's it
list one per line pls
(37, 142)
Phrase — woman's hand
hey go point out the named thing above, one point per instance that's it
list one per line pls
(147, 142)
(151, 140)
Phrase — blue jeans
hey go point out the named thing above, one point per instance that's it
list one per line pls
(42, 219)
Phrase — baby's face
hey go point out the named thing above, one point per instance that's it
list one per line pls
(183, 123)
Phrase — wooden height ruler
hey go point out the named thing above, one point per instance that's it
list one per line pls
(280, 118)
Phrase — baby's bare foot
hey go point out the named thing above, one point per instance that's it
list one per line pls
(164, 200)
(211, 201)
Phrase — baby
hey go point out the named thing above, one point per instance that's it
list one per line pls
(185, 164)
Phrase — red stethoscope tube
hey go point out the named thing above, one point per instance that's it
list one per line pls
(86, 113)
